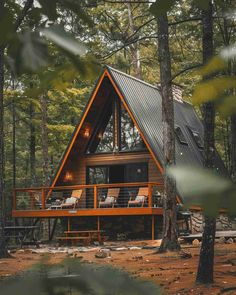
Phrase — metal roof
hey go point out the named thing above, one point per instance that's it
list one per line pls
(145, 103)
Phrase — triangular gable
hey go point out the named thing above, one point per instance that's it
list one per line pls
(106, 74)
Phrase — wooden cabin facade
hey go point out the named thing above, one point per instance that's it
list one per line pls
(116, 145)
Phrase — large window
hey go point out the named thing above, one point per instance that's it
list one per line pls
(103, 138)
(115, 132)
(130, 138)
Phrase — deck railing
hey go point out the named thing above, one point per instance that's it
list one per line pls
(92, 197)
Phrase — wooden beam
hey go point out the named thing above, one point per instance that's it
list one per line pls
(153, 227)
(95, 196)
(141, 211)
(43, 199)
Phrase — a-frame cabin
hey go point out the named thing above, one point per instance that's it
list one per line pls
(114, 159)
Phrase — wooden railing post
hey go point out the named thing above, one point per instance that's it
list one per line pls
(14, 200)
(43, 199)
(95, 195)
(149, 195)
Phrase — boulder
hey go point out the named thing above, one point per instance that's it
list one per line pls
(230, 241)
(102, 254)
(185, 255)
(222, 240)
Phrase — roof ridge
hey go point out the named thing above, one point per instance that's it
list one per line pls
(132, 77)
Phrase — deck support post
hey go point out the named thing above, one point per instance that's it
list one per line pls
(49, 228)
(68, 224)
(95, 195)
(98, 228)
(153, 227)
(43, 199)
(149, 195)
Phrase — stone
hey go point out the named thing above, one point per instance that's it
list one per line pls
(230, 241)
(102, 254)
(196, 242)
(140, 257)
(120, 249)
(185, 255)
(135, 248)
(222, 240)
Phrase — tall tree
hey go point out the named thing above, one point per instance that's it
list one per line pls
(206, 260)
(134, 48)
(169, 236)
(44, 112)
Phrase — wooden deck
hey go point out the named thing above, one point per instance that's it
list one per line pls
(36, 201)
(88, 212)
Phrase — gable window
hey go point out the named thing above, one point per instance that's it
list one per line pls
(180, 135)
(130, 138)
(103, 138)
(115, 131)
(196, 138)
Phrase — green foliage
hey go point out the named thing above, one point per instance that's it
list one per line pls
(64, 40)
(220, 89)
(161, 6)
(203, 188)
(211, 90)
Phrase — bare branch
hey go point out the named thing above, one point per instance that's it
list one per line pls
(22, 15)
(185, 70)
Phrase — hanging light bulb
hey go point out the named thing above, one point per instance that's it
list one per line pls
(86, 133)
(68, 176)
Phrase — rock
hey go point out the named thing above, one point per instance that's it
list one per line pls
(221, 240)
(230, 241)
(102, 254)
(140, 257)
(120, 249)
(134, 248)
(185, 255)
(196, 242)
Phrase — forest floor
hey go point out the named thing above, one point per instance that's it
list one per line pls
(175, 274)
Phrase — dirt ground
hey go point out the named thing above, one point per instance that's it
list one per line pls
(175, 274)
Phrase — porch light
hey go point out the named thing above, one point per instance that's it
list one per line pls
(68, 176)
(86, 133)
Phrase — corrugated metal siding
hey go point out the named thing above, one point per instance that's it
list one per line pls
(145, 103)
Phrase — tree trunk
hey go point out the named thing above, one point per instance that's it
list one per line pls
(206, 260)
(169, 236)
(46, 178)
(3, 248)
(13, 138)
(134, 48)
(233, 148)
(32, 146)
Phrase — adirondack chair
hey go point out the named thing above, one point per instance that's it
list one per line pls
(71, 202)
(140, 199)
(110, 199)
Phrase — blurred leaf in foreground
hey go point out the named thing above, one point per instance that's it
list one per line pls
(213, 89)
(64, 40)
(205, 189)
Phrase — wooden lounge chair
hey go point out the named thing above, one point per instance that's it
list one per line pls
(71, 202)
(141, 197)
(110, 199)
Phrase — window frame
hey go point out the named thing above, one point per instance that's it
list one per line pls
(200, 144)
(181, 141)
